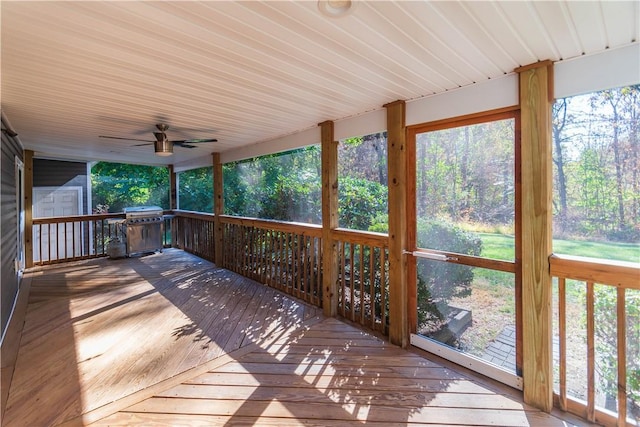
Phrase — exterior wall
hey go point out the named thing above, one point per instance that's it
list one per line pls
(9, 285)
(55, 173)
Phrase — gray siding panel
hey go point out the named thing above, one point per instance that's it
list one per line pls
(8, 227)
(55, 173)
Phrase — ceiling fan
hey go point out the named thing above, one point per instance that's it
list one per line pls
(163, 146)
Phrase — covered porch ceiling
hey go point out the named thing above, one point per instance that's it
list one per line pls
(246, 72)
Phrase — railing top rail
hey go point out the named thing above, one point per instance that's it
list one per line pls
(191, 214)
(291, 227)
(368, 237)
(606, 272)
(75, 218)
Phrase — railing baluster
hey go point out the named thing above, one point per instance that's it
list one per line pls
(64, 242)
(621, 344)
(361, 284)
(282, 267)
(312, 271)
(343, 278)
(562, 345)
(372, 287)
(383, 291)
(50, 242)
(298, 266)
(269, 254)
(590, 354)
(352, 277)
(288, 278)
(39, 249)
(305, 268)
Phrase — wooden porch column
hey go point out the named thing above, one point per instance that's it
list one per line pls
(536, 98)
(397, 164)
(173, 189)
(218, 209)
(329, 159)
(28, 208)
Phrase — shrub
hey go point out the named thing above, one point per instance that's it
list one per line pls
(439, 282)
(359, 202)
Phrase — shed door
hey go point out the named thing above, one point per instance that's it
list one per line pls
(56, 241)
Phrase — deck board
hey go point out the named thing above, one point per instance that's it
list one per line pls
(170, 339)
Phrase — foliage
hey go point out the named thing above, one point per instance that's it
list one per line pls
(362, 180)
(606, 342)
(283, 186)
(286, 187)
(364, 157)
(195, 190)
(359, 202)
(597, 165)
(466, 174)
(118, 185)
(439, 282)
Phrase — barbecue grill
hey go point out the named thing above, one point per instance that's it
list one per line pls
(144, 227)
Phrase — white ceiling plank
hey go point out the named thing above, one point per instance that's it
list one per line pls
(253, 72)
(621, 27)
(589, 22)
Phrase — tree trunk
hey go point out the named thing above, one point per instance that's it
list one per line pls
(618, 164)
(559, 122)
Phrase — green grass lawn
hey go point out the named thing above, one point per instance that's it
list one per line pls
(501, 246)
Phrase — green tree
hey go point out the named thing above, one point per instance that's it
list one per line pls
(606, 343)
(360, 201)
(439, 282)
(119, 185)
(283, 186)
(236, 190)
(195, 190)
(364, 157)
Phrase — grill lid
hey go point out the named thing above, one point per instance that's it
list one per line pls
(132, 211)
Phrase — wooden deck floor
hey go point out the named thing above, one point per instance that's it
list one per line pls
(170, 339)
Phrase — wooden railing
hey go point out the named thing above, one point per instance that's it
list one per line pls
(62, 239)
(363, 285)
(597, 302)
(598, 330)
(288, 256)
(285, 256)
(193, 232)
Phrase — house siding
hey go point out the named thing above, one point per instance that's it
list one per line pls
(56, 173)
(11, 148)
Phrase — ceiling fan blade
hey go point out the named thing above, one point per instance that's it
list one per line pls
(140, 145)
(194, 141)
(183, 144)
(125, 139)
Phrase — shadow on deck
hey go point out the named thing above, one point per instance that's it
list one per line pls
(172, 339)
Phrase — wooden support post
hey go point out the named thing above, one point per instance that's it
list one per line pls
(329, 219)
(173, 189)
(218, 209)
(397, 164)
(536, 97)
(28, 208)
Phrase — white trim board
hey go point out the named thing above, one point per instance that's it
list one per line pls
(468, 361)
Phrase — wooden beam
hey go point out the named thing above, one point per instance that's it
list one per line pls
(218, 208)
(536, 166)
(411, 243)
(28, 208)
(397, 165)
(173, 189)
(329, 160)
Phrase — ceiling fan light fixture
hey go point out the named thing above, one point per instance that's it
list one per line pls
(336, 8)
(163, 147)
